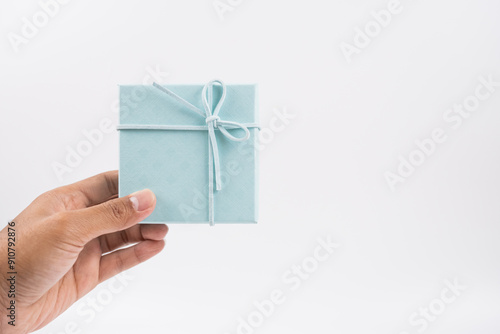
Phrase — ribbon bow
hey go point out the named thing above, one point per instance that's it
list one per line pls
(213, 122)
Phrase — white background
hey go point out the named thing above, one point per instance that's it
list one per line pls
(322, 175)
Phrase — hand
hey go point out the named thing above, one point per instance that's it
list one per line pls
(68, 241)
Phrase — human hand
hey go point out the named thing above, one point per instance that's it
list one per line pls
(68, 241)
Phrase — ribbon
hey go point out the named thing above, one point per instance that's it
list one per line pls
(214, 122)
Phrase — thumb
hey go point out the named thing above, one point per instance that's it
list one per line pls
(111, 216)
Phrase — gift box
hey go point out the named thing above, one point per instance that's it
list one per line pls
(194, 147)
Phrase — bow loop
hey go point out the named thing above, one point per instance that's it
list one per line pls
(207, 96)
(233, 125)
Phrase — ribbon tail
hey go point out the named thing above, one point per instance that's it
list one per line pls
(210, 185)
(211, 155)
(178, 99)
(216, 161)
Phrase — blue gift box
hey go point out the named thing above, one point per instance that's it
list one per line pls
(194, 147)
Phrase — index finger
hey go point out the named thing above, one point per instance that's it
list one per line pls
(94, 190)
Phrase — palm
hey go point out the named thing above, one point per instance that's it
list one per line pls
(78, 280)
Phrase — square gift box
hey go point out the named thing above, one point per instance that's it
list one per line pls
(194, 147)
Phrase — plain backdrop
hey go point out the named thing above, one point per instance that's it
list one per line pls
(321, 175)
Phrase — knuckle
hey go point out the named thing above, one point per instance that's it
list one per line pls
(110, 183)
(124, 237)
(120, 263)
(118, 210)
(137, 255)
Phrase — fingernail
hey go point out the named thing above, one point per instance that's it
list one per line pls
(142, 200)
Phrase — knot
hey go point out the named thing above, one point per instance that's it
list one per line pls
(214, 119)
